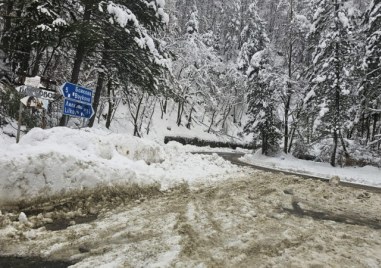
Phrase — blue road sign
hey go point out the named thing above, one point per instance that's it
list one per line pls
(78, 109)
(77, 93)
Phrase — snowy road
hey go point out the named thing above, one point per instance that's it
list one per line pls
(235, 158)
(256, 220)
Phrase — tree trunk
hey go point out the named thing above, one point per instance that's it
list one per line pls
(226, 116)
(79, 56)
(36, 65)
(367, 129)
(346, 154)
(163, 106)
(136, 117)
(234, 115)
(100, 82)
(190, 118)
(289, 86)
(150, 119)
(374, 128)
(336, 116)
(211, 123)
(52, 55)
(180, 110)
(286, 114)
(7, 24)
(333, 156)
(81, 46)
(110, 104)
(264, 143)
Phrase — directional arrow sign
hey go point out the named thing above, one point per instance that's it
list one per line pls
(78, 109)
(37, 92)
(77, 93)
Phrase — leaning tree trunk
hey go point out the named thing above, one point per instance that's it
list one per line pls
(212, 121)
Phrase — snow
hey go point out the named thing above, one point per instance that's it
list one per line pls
(59, 22)
(231, 224)
(44, 27)
(121, 14)
(167, 126)
(47, 162)
(160, 3)
(43, 10)
(367, 175)
(343, 19)
(257, 58)
(163, 15)
(320, 78)
(23, 218)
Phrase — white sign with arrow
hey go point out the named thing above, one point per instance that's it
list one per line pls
(37, 92)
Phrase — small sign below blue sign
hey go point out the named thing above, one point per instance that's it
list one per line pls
(77, 93)
(78, 109)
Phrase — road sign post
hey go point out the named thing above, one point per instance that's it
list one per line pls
(77, 100)
(77, 93)
(77, 109)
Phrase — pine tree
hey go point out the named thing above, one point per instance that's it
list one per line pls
(331, 70)
(371, 90)
(257, 62)
(253, 36)
(32, 27)
(231, 38)
(128, 28)
(263, 100)
(192, 25)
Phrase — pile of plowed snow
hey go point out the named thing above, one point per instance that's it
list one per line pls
(47, 162)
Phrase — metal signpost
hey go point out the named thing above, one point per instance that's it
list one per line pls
(29, 102)
(78, 100)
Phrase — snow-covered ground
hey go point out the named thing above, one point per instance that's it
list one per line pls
(47, 162)
(367, 175)
(254, 220)
(201, 211)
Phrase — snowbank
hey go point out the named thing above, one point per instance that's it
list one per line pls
(8, 133)
(367, 175)
(47, 162)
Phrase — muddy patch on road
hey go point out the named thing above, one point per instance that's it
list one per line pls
(30, 262)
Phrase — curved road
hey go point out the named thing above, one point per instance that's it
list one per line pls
(234, 159)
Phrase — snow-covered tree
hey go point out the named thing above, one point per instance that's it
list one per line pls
(371, 90)
(263, 101)
(331, 34)
(32, 28)
(253, 36)
(192, 25)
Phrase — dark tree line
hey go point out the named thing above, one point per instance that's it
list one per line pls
(90, 42)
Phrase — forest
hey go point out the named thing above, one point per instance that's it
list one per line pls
(301, 77)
